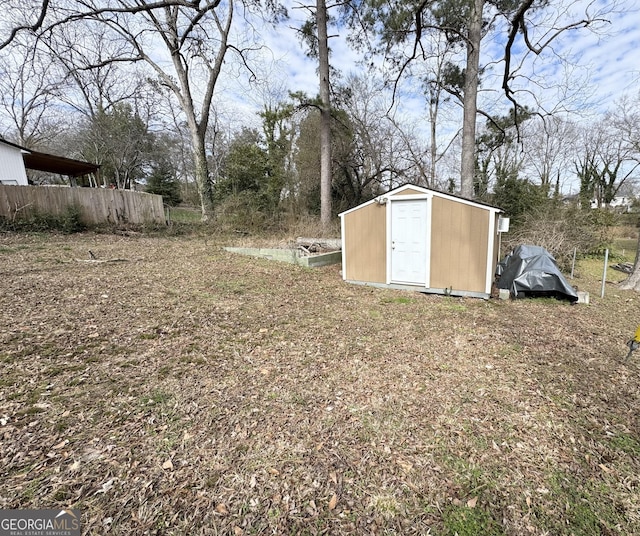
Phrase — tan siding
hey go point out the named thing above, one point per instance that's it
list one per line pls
(458, 246)
(408, 191)
(365, 244)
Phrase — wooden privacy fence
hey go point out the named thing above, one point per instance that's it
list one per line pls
(95, 205)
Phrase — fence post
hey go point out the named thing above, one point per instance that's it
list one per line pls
(604, 274)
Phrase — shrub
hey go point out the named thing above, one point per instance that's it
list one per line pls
(243, 212)
(559, 230)
(69, 222)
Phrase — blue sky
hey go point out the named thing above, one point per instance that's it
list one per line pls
(582, 74)
(602, 62)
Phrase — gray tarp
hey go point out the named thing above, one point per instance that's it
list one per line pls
(532, 271)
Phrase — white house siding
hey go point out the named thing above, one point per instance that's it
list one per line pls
(12, 166)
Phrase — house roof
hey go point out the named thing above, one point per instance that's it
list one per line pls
(424, 190)
(53, 164)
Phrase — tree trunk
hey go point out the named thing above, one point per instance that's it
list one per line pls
(474, 37)
(203, 181)
(433, 142)
(633, 281)
(325, 116)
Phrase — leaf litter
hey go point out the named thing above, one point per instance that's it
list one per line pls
(192, 391)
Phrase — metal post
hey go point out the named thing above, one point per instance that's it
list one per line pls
(573, 264)
(604, 275)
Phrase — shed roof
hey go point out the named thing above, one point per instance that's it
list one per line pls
(446, 195)
(53, 164)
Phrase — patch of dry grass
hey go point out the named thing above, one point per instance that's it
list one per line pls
(192, 391)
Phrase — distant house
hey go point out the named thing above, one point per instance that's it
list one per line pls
(571, 200)
(621, 203)
(15, 160)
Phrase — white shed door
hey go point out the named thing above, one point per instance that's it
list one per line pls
(409, 228)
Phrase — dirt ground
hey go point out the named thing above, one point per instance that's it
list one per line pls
(164, 386)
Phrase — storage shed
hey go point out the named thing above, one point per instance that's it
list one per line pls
(420, 239)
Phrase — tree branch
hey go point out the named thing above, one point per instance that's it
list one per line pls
(516, 23)
(33, 28)
(92, 12)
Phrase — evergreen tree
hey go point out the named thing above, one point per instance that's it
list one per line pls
(245, 170)
(517, 197)
(163, 181)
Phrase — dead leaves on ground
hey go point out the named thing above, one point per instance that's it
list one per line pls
(192, 388)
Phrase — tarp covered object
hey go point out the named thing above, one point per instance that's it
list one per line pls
(532, 271)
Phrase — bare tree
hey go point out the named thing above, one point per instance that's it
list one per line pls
(21, 18)
(183, 42)
(118, 140)
(626, 120)
(28, 86)
(403, 27)
(384, 150)
(550, 141)
(39, 17)
(436, 95)
(196, 38)
(94, 67)
(604, 162)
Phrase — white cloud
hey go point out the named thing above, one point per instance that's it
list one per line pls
(603, 59)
